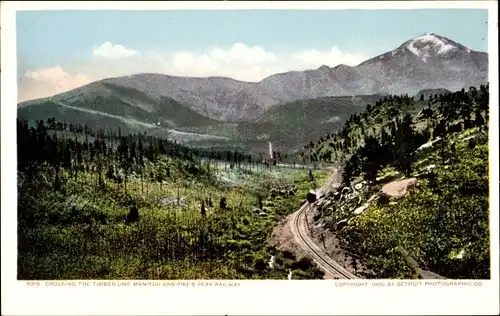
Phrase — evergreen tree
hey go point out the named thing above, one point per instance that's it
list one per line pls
(223, 204)
(404, 145)
(371, 162)
(478, 119)
(203, 210)
(351, 169)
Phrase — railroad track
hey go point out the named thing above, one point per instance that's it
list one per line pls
(321, 258)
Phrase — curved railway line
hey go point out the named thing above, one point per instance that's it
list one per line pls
(299, 230)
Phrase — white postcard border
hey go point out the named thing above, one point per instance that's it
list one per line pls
(242, 297)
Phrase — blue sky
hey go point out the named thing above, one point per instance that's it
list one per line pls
(65, 42)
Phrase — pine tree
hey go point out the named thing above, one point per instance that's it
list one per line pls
(222, 204)
(478, 120)
(372, 160)
(203, 211)
(351, 169)
(57, 181)
(404, 145)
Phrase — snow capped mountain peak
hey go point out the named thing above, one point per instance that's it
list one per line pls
(431, 39)
(429, 44)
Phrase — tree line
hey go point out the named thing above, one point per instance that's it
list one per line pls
(110, 154)
(395, 141)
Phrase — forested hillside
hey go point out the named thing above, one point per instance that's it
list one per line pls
(101, 205)
(440, 222)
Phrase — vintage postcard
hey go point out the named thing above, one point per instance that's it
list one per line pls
(198, 156)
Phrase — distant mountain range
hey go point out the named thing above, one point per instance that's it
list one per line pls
(425, 62)
(184, 103)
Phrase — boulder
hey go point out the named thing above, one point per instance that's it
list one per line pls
(361, 209)
(341, 224)
(430, 167)
(372, 198)
(319, 204)
(398, 189)
(337, 196)
(470, 137)
(345, 190)
(420, 113)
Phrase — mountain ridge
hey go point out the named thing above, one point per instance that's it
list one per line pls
(429, 61)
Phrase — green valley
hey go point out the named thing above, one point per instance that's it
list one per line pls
(142, 207)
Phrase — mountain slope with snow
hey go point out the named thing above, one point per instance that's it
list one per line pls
(428, 61)
(429, 45)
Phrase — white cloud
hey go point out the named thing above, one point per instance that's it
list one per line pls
(252, 63)
(46, 82)
(110, 50)
(242, 54)
(238, 61)
(334, 57)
